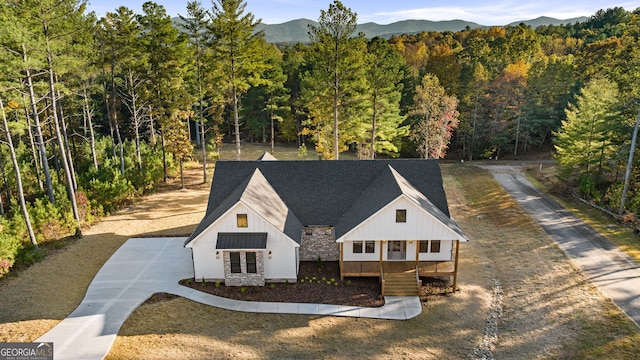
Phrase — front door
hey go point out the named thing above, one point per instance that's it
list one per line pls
(396, 250)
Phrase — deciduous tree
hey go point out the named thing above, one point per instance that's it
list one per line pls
(436, 118)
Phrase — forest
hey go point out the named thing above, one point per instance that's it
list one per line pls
(96, 111)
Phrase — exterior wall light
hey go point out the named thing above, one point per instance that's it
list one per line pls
(270, 254)
(217, 254)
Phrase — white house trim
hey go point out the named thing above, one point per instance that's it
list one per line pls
(209, 261)
(375, 228)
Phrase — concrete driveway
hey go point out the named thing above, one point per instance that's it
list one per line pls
(145, 266)
(615, 273)
(137, 270)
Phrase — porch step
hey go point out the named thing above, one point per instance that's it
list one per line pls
(400, 284)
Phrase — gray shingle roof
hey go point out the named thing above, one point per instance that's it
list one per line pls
(323, 192)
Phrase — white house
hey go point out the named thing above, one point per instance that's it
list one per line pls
(377, 218)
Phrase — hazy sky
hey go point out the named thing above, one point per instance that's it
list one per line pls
(488, 12)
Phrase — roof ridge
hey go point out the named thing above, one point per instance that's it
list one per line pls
(347, 218)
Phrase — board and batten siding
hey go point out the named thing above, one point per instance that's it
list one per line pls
(281, 266)
(420, 225)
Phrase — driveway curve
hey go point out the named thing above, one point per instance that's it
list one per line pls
(616, 274)
(142, 267)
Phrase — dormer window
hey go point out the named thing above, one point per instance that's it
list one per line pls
(401, 216)
(242, 220)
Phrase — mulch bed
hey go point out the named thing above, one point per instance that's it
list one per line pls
(317, 285)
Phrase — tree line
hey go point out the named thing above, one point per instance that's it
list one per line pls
(98, 110)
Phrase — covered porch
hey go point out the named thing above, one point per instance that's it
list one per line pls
(405, 271)
(376, 268)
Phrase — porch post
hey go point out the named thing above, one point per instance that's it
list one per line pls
(455, 268)
(381, 269)
(341, 261)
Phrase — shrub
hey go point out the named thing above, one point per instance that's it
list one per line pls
(29, 255)
(302, 151)
(588, 188)
(9, 246)
(152, 172)
(49, 221)
(111, 194)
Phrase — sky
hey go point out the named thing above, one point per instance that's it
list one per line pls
(487, 12)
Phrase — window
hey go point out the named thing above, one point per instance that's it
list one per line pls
(308, 231)
(435, 246)
(424, 246)
(357, 247)
(242, 220)
(251, 263)
(401, 216)
(234, 258)
(369, 247)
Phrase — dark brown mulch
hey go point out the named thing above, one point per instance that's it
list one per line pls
(318, 285)
(434, 287)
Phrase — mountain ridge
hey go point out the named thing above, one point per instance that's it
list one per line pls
(297, 30)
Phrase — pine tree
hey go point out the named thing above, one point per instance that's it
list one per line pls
(384, 74)
(195, 25)
(21, 45)
(335, 85)
(166, 49)
(292, 66)
(53, 25)
(585, 139)
(128, 78)
(16, 168)
(238, 49)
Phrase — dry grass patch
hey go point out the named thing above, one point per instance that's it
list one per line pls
(37, 298)
(550, 310)
(182, 329)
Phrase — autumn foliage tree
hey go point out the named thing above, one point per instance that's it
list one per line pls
(436, 117)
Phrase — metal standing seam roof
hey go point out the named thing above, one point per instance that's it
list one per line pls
(238, 241)
(331, 193)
